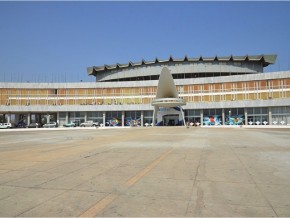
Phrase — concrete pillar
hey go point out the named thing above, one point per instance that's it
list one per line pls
(123, 118)
(28, 118)
(201, 117)
(142, 117)
(66, 117)
(156, 108)
(47, 118)
(246, 116)
(8, 118)
(104, 118)
(223, 117)
(270, 116)
(57, 118)
(182, 114)
(86, 116)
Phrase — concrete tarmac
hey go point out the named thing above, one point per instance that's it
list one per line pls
(148, 172)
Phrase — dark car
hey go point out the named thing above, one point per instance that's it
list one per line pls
(33, 125)
(21, 125)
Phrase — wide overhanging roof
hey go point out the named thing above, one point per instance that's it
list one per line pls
(264, 59)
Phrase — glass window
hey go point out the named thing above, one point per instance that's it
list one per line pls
(148, 117)
(275, 110)
(77, 117)
(212, 111)
(192, 115)
(133, 114)
(114, 114)
(95, 116)
(218, 111)
(132, 118)
(227, 110)
(241, 111)
(193, 112)
(62, 118)
(257, 110)
(264, 118)
(206, 112)
(148, 113)
(258, 119)
(62, 115)
(197, 113)
(250, 110)
(188, 113)
(264, 110)
(113, 118)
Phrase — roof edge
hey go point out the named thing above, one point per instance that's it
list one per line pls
(264, 59)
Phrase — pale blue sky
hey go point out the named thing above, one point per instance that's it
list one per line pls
(57, 41)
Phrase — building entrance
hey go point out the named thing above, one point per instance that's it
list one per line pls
(171, 120)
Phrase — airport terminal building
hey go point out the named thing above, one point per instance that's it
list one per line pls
(231, 90)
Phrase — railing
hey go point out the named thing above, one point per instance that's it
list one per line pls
(178, 101)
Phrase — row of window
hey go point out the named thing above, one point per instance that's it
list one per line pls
(183, 89)
(93, 100)
(180, 66)
(232, 116)
(251, 90)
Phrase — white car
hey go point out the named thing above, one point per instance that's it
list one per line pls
(50, 125)
(89, 123)
(5, 125)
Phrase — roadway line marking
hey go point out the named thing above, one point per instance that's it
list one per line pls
(106, 201)
(102, 204)
(141, 174)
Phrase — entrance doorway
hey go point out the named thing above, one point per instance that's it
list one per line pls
(171, 120)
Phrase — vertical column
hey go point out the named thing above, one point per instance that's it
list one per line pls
(223, 117)
(270, 115)
(66, 117)
(201, 117)
(246, 116)
(123, 118)
(86, 116)
(156, 108)
(104, 118)
(57, 118)
(28, 118)
(8, 118)
(142, 117)
(182, 114)
(47, 118)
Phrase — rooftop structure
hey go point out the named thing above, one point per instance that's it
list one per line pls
(192, 68)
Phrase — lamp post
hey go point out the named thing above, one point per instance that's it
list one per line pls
(230, 117)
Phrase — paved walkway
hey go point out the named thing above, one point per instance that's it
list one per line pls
(160, 171)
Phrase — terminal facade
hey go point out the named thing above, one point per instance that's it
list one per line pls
(231, 90)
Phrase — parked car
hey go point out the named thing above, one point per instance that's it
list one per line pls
(89, 123)
(21, 125)
(50, 125)
(33, 125)
(71, 124)
(5, 125)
